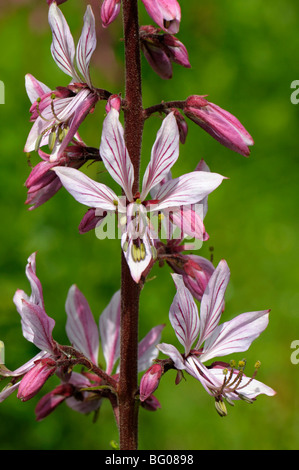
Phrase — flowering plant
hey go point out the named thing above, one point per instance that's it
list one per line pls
(179, 205)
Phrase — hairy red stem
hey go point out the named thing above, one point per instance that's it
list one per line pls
(130, 291)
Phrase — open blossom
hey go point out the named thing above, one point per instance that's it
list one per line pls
(221, 380)
(57, 115)
(160, 50)
(220, 124)
(137, 234)
(84, 335)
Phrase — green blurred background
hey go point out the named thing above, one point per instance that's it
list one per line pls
(244, 55)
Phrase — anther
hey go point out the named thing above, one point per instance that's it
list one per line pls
(220, 408)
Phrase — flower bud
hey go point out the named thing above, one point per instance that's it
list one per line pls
(151, 403)
(51, 400)
(160, 50)
(196, 272)
(220, 124)
(90, 220)
(33, 381)
(150, 381)
(109, 11)
(114, 101)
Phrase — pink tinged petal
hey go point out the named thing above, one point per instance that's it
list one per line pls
(164, 154)
(51, 400)
(8, 390)
(86, 45)
(83, 405)
(196, 369)
(85, 190)
(235, 335)
(166, 13)
(109, 11)
(147, 350)
(34, 380)
(39, 133)
(150, 381)
(187, 189)
(36, 296)
(4, 372)
(110, 332)
(114, 153)
(35, 89)
(62, 47)
(212, 302)
(81, 327)
(183, 315)
(76, 110)
(37, 326)
(172, 352)
(247, 388)
(189, 221)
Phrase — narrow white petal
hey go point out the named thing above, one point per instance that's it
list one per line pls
(85, 190)
(62, 47)
(183, 315)
(147, 348)
(86, 45)
(172, 352)
(114, 153)
(35, 89)
(187, 189)
(212, 302)
(110, 331)
(235, 335)
(81, 327)
(164, 154)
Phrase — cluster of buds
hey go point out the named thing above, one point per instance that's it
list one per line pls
(161, 49)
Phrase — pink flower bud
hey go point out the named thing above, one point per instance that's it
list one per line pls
(220, 124)
(43, 183)
(151, 403)
(150, 381)
(109, 11)
(182, 125)
(90, 220)
(33, 381)
(196, 272)
(58, 2)
(51, 400)
(114, 101)
(160, 50)
(166, 13)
